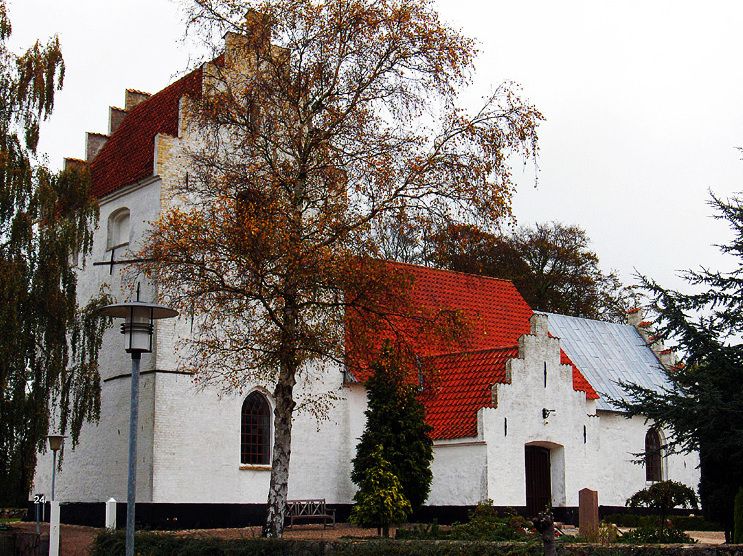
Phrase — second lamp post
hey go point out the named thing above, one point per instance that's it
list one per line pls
(137, 328)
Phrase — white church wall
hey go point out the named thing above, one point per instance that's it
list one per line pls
(521, 403)
(197, 455)
(459, 474)
(618, 476)
(96, 468)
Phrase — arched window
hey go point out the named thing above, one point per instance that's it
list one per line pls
(118, 228)
(255, 430)
(653, 447)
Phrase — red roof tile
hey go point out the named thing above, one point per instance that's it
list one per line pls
(128, 155)
(496, 316)
(462, 384)
(494, 312)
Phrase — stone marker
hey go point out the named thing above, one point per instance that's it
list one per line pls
(588, 512)
(111, 514)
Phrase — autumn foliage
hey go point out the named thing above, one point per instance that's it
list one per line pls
(319, 119)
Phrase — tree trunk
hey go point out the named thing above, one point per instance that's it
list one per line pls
(282, 447)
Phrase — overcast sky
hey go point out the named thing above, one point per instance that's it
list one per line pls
(643, 104)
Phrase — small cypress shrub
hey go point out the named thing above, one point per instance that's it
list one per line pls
(380, 501)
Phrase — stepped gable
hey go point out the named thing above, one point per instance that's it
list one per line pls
(497, 316)
(464, 383)
(128, 155)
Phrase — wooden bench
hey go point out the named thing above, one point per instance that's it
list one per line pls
(310, 510)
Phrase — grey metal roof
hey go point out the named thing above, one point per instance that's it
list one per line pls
(607, 352)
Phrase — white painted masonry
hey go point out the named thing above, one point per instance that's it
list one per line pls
(189, 437)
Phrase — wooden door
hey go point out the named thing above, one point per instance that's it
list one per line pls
(538, 483)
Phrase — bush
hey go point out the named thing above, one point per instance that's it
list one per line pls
(655, 535)
(683, 522)
(484, 525)
(663, 497)
(380, 501)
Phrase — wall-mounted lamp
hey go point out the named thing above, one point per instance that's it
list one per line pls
(546, 412)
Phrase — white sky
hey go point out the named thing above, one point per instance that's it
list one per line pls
(643, 100)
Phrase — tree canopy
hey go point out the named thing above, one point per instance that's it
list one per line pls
(703, 406)
(48, 370)
(550, 264)
(321, 118)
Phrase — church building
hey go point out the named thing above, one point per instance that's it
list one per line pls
(521, 417)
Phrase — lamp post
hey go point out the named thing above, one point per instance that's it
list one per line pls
(137, 328)
(55, 445)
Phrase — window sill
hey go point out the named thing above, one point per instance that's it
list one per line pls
(251, 467)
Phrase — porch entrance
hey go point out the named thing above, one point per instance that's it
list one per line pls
(538, 483)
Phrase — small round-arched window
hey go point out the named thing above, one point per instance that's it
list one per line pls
(255, 430)
(653, 448)
(118, 228)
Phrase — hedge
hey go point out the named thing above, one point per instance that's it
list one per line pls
(683, 522)
(167, 544)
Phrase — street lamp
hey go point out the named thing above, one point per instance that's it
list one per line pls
(137, 328)
(55, 445)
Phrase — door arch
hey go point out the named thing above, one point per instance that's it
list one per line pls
(538, 479)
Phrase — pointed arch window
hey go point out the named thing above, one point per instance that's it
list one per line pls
(118, 229)
(653, 449)
(255, 430)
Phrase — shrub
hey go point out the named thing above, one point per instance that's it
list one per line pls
(379, 501)
(484, 525)
(656, 535)
(663, 497)
(683, 522)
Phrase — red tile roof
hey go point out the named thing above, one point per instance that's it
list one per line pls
(462, 384)
(128, 155)
(494, 312)
(496, 316)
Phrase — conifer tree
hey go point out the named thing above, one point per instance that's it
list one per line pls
(48, 371)
(379, 501)
(703, 407)
(395, 421)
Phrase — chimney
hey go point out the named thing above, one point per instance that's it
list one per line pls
(258, 27)
(74, 164)
(115, 117)
(93, 144)
(134, 97)
(635, 316)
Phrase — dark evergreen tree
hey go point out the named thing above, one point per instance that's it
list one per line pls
(703, 407)
(48, 370)
(395, 421)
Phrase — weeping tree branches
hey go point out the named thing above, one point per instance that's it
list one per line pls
(50, 346)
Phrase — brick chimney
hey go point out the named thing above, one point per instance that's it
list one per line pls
(74, 164)
(134, 97)
(636, 318)
(93, 144)
(115, 117)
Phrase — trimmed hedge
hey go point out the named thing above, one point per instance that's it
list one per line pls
(683, 522)
(167, 544)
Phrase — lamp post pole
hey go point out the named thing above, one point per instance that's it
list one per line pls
(137, 328)
(131, 488)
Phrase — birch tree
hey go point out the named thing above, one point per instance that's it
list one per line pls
(342, 112)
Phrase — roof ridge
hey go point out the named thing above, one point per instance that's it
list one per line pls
(585, 318)
(483, 276)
